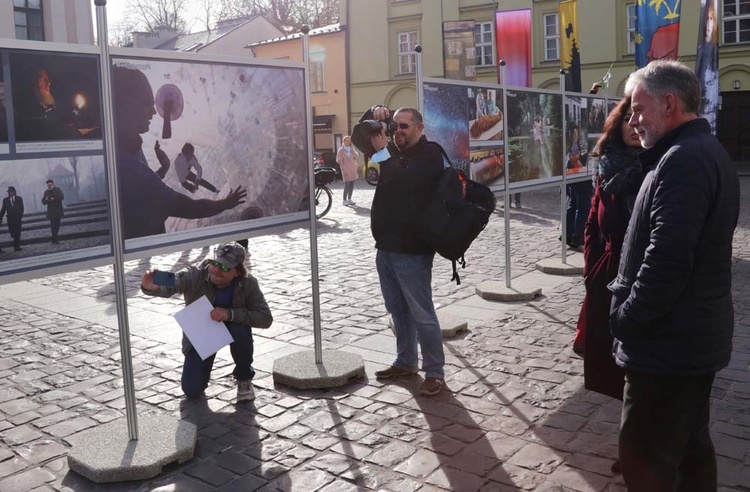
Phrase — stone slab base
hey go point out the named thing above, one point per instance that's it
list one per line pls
(450, 324)
(106, 453)
(300, 371)
(554, 266)
(493, 290)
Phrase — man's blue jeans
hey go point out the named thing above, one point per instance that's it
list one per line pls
(405, 281)
(196, 372)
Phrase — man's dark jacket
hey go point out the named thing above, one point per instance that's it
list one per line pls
(672, 303)
(407, 181)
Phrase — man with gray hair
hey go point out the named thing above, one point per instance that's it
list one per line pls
(671, 313)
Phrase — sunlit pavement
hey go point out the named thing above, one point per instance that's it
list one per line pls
(515, 415)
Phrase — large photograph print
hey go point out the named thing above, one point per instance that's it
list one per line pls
(576, 137)
(56, 102)
(446, 118)
(534, 138)
(4, 147)
(203, 148)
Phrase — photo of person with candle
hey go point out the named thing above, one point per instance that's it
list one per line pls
(55, 98)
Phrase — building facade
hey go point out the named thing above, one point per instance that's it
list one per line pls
(59, 21)
(606, 32)
(328, 84)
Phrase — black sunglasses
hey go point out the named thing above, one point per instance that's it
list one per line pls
(215, 263)
(404, 126)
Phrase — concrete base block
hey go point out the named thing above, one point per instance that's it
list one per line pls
(106, 453)
(554, 266)
(492, 290)
(450, 324)
(300, 371)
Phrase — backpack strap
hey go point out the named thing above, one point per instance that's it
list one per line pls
(442, 151)
(455, 273)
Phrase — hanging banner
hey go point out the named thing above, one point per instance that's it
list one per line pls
(570, 56)
(657, 31)
(513, 42)
(459, 54)
(707, 62)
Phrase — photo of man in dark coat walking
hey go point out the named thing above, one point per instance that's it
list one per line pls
(53, 199)
(13, 206)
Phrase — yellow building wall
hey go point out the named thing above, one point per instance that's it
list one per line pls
(373, 51)
(333, 100)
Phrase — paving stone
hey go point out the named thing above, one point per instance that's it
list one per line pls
(455, 480)
(20, 435)
(392, 454)
(41, 451)
(537, 457)
(210, 473)
(420, 465)
(236, 462)
(578, 479)
(25, 481)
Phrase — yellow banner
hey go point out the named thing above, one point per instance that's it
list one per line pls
(570, 58)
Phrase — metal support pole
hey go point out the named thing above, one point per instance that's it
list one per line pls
(420, 80)
(564, 189)
(317, 335)
(117, 239)
(506, 191)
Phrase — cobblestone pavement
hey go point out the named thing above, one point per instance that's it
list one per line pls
(516, 416)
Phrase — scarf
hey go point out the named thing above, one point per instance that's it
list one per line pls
(620, 170)
(347, 149)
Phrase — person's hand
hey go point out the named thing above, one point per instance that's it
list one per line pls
(147, 281)
(379, 142)
(381, 113)
(235, 197)
(219, 314)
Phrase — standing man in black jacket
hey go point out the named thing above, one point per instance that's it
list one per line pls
(13, 206)
(53, 198)
(671, 312)
(410, 169)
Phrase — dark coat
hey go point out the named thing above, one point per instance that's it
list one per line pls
(407, 181)
(672, 308)
(15, 213)
(54, 200)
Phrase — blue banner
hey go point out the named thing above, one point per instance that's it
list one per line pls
(657, 30)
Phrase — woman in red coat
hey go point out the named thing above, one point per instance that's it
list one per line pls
(617, 185)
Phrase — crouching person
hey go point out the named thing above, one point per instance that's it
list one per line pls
(237, 301)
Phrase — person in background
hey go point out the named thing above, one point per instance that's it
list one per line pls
(346, 157)
(618, 181)
(579, 195)
(13, 207)
(238, 302)
(184, 164)
(53, 198)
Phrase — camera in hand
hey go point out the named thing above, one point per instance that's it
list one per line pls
(366, 129)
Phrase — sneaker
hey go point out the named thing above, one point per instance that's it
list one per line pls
(245, 391)
(351, 202)
(345, 203)
(395, 372)
(431, 386)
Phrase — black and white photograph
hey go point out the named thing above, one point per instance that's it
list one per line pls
(203, 147)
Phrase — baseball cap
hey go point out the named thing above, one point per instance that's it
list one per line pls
(230, 254)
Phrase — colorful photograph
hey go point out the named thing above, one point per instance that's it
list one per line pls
(577, 140)
(56, 98)
(53, 209)
(205, 149)
(446, 114)
(534, 137)
(485, 114)
(487, 167)
(598, 109)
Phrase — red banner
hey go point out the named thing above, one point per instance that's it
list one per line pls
(513, 41)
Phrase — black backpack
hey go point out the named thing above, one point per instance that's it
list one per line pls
(455, 215)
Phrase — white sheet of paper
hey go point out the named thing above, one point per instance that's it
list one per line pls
(206, 335)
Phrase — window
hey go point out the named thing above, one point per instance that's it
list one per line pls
(317, 81)
(28, 18)
(736, 21)
(630, 28)
(551, 37)
(407, 58)
(484, 43)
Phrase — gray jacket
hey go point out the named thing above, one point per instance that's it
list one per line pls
(249, 307)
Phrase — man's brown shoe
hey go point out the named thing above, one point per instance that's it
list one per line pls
(431, 386)
(396, 372)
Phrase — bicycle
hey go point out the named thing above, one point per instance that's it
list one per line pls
(323, 194)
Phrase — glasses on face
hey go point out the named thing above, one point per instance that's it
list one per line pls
(217, 264)
(405, 126)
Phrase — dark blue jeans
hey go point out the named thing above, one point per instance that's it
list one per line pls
(579, 204)
(196, 372)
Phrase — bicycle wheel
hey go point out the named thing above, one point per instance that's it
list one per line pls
(323, 200)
